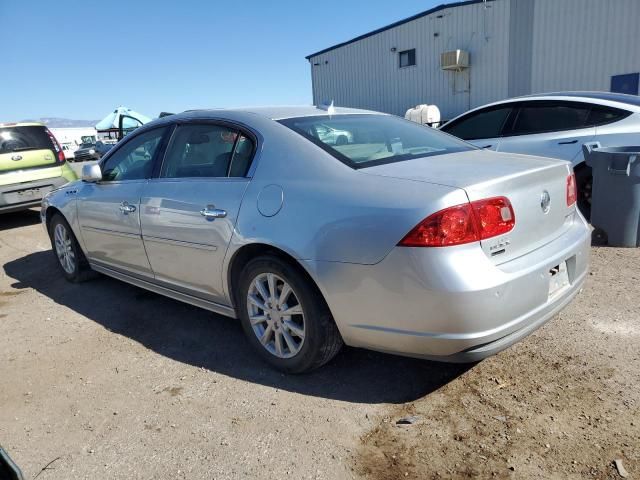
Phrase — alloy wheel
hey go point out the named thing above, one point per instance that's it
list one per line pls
(276, 315)
(64, 248)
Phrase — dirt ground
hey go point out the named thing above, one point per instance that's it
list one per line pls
(105, 380)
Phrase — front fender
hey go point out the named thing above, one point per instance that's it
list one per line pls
(64, 200)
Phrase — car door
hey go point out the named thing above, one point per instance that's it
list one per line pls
(548, 128)
(483, 128)
(109, 210)
(189, 212)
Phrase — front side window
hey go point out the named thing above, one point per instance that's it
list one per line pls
(207, 151)
(486, 123)
(134, 160)
(367, 140)
(540, 117)
(407, 58)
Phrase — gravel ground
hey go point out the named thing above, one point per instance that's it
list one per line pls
(106, 380)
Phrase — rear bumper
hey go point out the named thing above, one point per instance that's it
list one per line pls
(24, 195)
(451, 304)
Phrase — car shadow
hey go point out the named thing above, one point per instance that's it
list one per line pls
(197, 337)
(23, 218)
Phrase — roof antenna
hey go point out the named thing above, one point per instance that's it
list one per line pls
(331, 110)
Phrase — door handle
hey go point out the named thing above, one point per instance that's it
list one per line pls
(126, 208)
(568, 142)
(210, 212)
(487, 146)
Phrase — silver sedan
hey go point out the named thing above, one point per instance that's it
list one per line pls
(400, 239)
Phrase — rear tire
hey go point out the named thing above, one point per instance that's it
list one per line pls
(584, 183)
(69, 255)
(274, 299)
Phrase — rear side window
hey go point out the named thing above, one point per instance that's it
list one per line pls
(367, 140)
(601, 115)
(207, 151)
(540, 117)
(19, 139)
(486, 123)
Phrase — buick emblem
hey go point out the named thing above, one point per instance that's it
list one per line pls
(545, 201)
(15, 158)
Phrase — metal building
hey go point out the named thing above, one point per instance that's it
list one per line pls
(497, 49)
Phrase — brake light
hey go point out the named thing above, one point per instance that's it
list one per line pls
(466, 223)
(572, 190)
(56, 145)
(495, 216)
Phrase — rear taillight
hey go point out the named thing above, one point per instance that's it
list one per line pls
(56, 145)
(466, 223)
(572, 190)
(494, 216)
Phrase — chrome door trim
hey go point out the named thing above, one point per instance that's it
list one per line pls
(110, 232)
(180, 243)
(183, 297)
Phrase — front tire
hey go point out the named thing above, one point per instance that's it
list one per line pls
(67, 251)
(284, 316)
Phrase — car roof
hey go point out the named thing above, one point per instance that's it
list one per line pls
(283, 112)
(616, 100)
(21, 124)
(607, 96)
(630, 102)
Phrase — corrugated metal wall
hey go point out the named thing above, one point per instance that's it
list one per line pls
(365, 74)
(580, 44)
(576, 45)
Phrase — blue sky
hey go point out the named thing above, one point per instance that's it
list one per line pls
(80, 59)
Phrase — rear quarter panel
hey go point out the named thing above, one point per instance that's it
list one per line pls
(331, 212)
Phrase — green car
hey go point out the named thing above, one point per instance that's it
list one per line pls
(32, 163)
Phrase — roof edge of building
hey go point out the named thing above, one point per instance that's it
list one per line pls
(398, 23)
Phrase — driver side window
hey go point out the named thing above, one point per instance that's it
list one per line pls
(134, 160)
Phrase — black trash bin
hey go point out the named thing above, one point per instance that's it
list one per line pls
(615, 200)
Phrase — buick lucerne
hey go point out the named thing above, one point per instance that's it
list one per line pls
(397, 238)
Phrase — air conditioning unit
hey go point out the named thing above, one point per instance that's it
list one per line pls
(454, 60)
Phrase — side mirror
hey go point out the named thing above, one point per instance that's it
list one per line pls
(91, 173)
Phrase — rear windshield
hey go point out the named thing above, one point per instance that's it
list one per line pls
(18, 139)
(367, 140)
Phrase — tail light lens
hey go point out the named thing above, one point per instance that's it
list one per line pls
(56, 145)
(466, 223)
(495, 216)
(572, 190)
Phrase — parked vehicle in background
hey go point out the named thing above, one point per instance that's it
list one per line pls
(404, 240)
(554, 125)
(92, 151)
(69, 149)
(32, 163)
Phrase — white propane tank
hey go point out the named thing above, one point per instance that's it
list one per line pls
(424, 114)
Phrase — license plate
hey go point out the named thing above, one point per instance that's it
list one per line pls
(27, 195)
(558, 279)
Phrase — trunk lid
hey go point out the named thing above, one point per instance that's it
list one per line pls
(25, 146)
(535, 186)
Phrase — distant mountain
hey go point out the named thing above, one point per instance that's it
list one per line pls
(56, 122)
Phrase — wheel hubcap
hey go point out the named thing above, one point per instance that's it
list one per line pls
(64, 248)
(276, 315)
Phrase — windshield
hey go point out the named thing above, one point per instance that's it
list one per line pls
(367, 140)
(18, 139)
